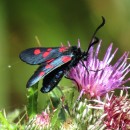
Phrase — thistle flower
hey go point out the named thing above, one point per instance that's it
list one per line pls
(40, 121)
(117, 111)
(101, 77)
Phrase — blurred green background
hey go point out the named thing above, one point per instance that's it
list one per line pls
(53, 22)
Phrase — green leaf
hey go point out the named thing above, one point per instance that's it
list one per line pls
(32, 96)
(58, 117)
(55, 96)
(62, 115)
(55, 118)
(71, 96)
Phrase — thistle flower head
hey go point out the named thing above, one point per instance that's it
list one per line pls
(101, 77)
(40, 121)
(117, 111)
(43, 119)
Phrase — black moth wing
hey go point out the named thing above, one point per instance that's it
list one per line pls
(40, 55)
(43, 70)
(55, 75)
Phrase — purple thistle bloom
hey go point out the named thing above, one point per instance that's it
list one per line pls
(102, 77)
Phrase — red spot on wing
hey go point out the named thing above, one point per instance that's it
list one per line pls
(41, 73)
(63, 49)
(49, 66)
(65, 59)
(37, 51)
(49, 60)
(49, 49)
(45, 54)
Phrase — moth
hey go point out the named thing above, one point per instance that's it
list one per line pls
(55, 62)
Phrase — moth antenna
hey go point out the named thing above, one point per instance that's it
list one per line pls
(37, 40)
(69, 44)
(78, 43)
(96, 40)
